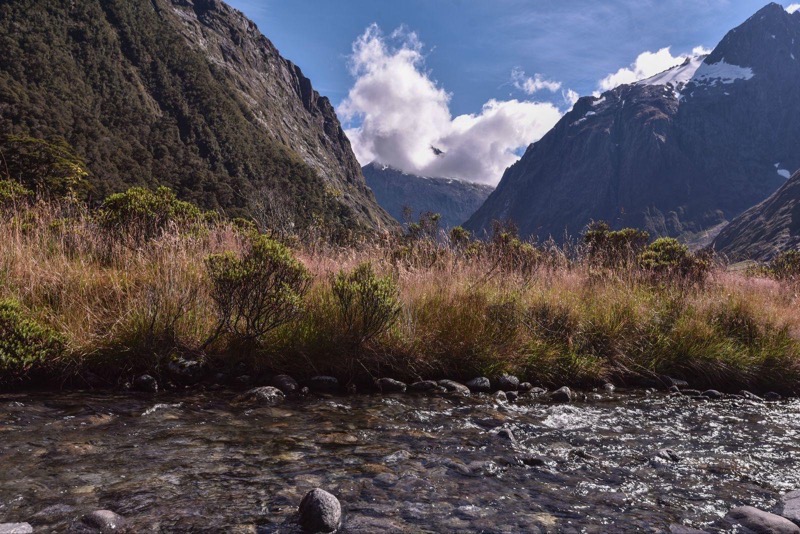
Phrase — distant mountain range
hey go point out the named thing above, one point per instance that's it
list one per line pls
(763, 231)
(679, 154)
(185, 93)
(406, 195)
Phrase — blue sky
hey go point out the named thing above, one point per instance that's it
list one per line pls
(469, 49)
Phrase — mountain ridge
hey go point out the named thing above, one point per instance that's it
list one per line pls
(182, 93)
(672, 158)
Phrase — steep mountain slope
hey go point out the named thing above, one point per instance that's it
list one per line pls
(397, 191)
(770, 227)
(678, 154)
(186, 93)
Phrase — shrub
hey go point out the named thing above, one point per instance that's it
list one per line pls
(368, 304)
(459, 238)
(509, 253)
(25, 345)
(786, 265)
(613, 248)
(11, 193)
(142, 214)
(259, 292)
(668, 257)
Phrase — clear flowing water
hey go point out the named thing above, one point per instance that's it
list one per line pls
(189, 463)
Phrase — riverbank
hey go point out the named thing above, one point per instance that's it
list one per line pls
(96, 299)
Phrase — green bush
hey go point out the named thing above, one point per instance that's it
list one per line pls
(368, 304)
(11, 193)
(613, 248)
(459, 238)
(259, 292)
(668, 257)
(25, 345)
(142, 214)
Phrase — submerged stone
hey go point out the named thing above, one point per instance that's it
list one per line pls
(105, 521)
(320, 512)
(266, 395)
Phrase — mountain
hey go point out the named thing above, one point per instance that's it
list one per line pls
(678, 154)
(395, 190)
(185, 93)
(762, 231)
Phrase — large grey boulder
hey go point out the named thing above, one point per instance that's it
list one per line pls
(15, 528)
(320, 512)
(105, 521)
(479, 384)
(789, 507)
(760, 522)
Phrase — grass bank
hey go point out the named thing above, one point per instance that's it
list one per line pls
(90, 297)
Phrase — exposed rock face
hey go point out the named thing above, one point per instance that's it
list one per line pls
(397, 191)
(678, 154)
(766, 229)
(186, 93)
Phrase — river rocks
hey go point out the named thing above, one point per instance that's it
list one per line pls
(537, 392)
(668, 455)
(480, 384)
(266, 395)
(525, 387)
(789, 507)
(145, 383)
(563, 394)
(15, 528)
(512, 396)
(712, 394)
(501, 396)
(323, 384)
(320, 512)
(667, 382)
(609, 387)
(188, 372)
(750, 396)
(425, 386)
(759, 521)
(772, 396)
(681, 529)
(454, 387)
(507, 383)
(286, 384)
(105, 521)
(505, 434)
(388, 385)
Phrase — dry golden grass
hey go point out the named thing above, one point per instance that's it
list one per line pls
(123, 308)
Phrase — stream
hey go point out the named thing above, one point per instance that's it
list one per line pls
(398, 463)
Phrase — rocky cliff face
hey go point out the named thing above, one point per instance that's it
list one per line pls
(761, 232)
(678, 154)
(397, 192)
(183, 92)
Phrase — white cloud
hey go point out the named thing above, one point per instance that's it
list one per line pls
(793, 7)
(646, 65)
(532, 84)
(570, 97)
(401, 114)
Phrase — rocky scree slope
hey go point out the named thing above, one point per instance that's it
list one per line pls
(397, 192)
(771, 227)
(678, 154)
(182, 93)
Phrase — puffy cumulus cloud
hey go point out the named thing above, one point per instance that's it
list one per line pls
(401, 115)
(646, 65)
(532, 84)
(793, 7)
